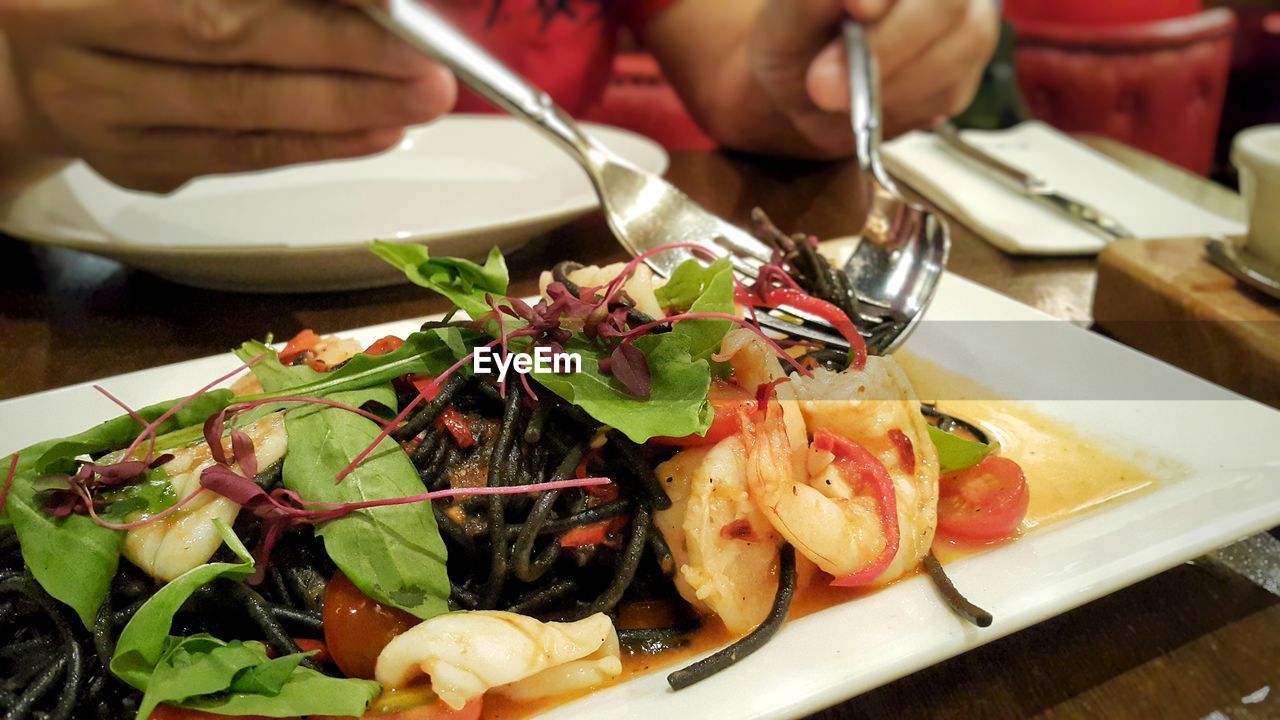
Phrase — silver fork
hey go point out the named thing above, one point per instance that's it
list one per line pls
(903, 247)
(643, 210)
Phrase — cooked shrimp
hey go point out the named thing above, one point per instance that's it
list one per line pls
(167, 548)
(831, 515)
(726, 552)
(467, 653)
(639, 287)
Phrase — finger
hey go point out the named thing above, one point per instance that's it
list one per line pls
(955, 58)
(295, 34)
(867, 11)
(827, 80)
(910, 28)
(138, 93)
(926, 113)
(162, 160)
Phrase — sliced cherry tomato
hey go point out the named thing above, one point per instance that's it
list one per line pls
(382, 346)
(865, 472)
(357, 627)
(450, 418)
(458, 426)
(425, 387)
(172, 712)
(310, 644)
(301, 343)
(594, 533)
(727, 400)
(984, 503)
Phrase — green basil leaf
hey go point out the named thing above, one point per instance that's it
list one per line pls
(956, 453)
(72, 558)
(150, 495)
(393, 554)
(306, 693)
(269, 677)
(143, 642)
(238, 678)
(462, 281)
(677, 403)
(195, 666)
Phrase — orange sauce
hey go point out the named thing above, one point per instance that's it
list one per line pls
(1067, 473)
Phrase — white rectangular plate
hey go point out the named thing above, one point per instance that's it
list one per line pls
(1227, 486)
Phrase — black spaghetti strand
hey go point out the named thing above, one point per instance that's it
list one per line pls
(627, 564)
(523, 547)
(259, 611)
(540, 598)
(454, 532)
(958, 603)
(640, 468)
(498, 476)
(420, 420)
(754, 640)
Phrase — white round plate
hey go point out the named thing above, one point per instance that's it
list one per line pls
(460, 185)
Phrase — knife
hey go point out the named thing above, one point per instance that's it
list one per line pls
(1032, 186)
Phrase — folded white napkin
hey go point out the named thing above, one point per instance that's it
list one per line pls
(1019, 225)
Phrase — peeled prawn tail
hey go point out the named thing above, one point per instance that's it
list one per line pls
(855, 461)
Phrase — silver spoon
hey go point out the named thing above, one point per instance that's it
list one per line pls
(903, 247)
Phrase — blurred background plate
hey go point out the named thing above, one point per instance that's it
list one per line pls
(460, 185)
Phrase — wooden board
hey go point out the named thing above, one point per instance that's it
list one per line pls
(1163, 297)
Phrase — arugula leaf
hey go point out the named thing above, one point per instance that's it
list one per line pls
(956, 453)
(426, 352)
(143, 642)
(464, 282)
(120, 431)
(695, 288)
(393, 554)
(680, 375)
(677, 403)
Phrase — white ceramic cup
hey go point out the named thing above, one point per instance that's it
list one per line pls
(1256, 154)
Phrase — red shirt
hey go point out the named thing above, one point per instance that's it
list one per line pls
(568, 53)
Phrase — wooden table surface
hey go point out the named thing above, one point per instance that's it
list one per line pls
(1196, 641)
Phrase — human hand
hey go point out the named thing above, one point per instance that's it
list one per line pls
(152, 93)
(931, 54)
